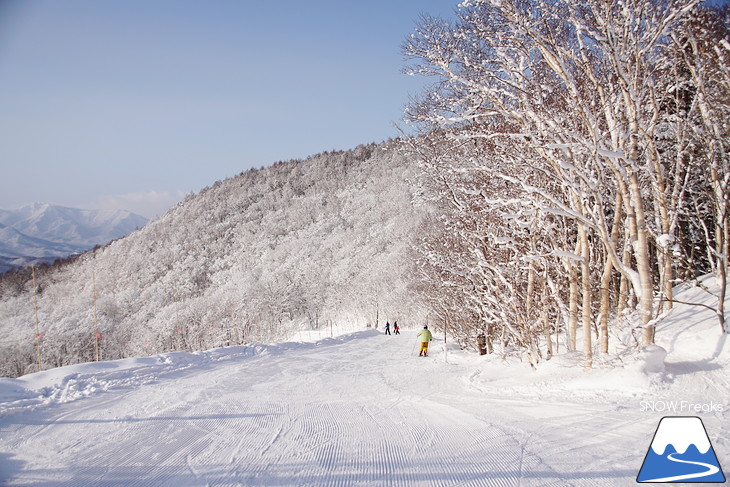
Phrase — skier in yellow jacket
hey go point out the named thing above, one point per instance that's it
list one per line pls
(426, 337)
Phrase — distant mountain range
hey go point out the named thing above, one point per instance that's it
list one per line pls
(43, 232)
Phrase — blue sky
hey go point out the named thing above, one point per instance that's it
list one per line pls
(133, 103)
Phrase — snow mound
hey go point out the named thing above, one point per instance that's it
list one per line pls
(73, 382)
(650, 360)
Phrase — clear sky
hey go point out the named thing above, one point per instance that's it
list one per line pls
(133, 103)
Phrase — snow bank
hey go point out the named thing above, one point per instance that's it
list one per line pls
(686, 362)
(73, 382)
(650, 360)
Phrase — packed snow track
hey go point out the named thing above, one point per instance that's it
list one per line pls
(362, 409)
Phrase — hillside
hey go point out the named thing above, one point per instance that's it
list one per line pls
(43, 233)
(362, 409)
(299, 245)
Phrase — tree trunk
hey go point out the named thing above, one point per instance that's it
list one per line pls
(605, 304)
(530, 291)
(490, 338)
(572, 306)
(722, 267)
(643, 265)
(606, 276)
(587, 296)
(545, 323)
(482, 343)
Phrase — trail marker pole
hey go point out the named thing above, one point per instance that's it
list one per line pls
(37, 322)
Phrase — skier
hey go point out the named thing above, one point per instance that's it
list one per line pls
(396, 328)
(387, 328)
(426, 337)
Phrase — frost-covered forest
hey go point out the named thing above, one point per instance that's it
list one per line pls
(299, 245)
(572, 167)
(579, 153)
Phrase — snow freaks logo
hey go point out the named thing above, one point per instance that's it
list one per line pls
(680, 452)
(681, 407)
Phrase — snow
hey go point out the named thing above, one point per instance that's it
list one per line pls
(364, 409)
(43, 232)
(611, 154)
(651, 359)
(563, 254)
(665, 240)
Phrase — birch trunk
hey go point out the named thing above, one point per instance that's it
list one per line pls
(643, 264)
(572, 305)
(587, 296)
(606, 276)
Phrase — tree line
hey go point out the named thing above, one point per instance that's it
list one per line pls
(579, 156)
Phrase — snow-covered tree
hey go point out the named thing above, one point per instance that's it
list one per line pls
(699, 106)
(563, 105)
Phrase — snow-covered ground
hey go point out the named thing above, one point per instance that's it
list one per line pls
(361, 409)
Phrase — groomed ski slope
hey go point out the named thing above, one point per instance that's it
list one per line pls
(361, 409)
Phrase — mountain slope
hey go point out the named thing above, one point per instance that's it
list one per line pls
(15, 244)
(298, 245)
(43, 232)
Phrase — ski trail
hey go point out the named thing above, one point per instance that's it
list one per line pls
(353, 412)
(711, 470)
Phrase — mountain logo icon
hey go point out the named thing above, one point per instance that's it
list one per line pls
(681, 452)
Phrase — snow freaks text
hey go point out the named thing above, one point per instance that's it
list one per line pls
(680, 407)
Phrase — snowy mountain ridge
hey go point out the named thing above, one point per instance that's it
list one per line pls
(43, 232)
(305, 244)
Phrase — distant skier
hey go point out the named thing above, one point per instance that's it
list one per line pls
(396, 328)
(426, 337)
(387, 328)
